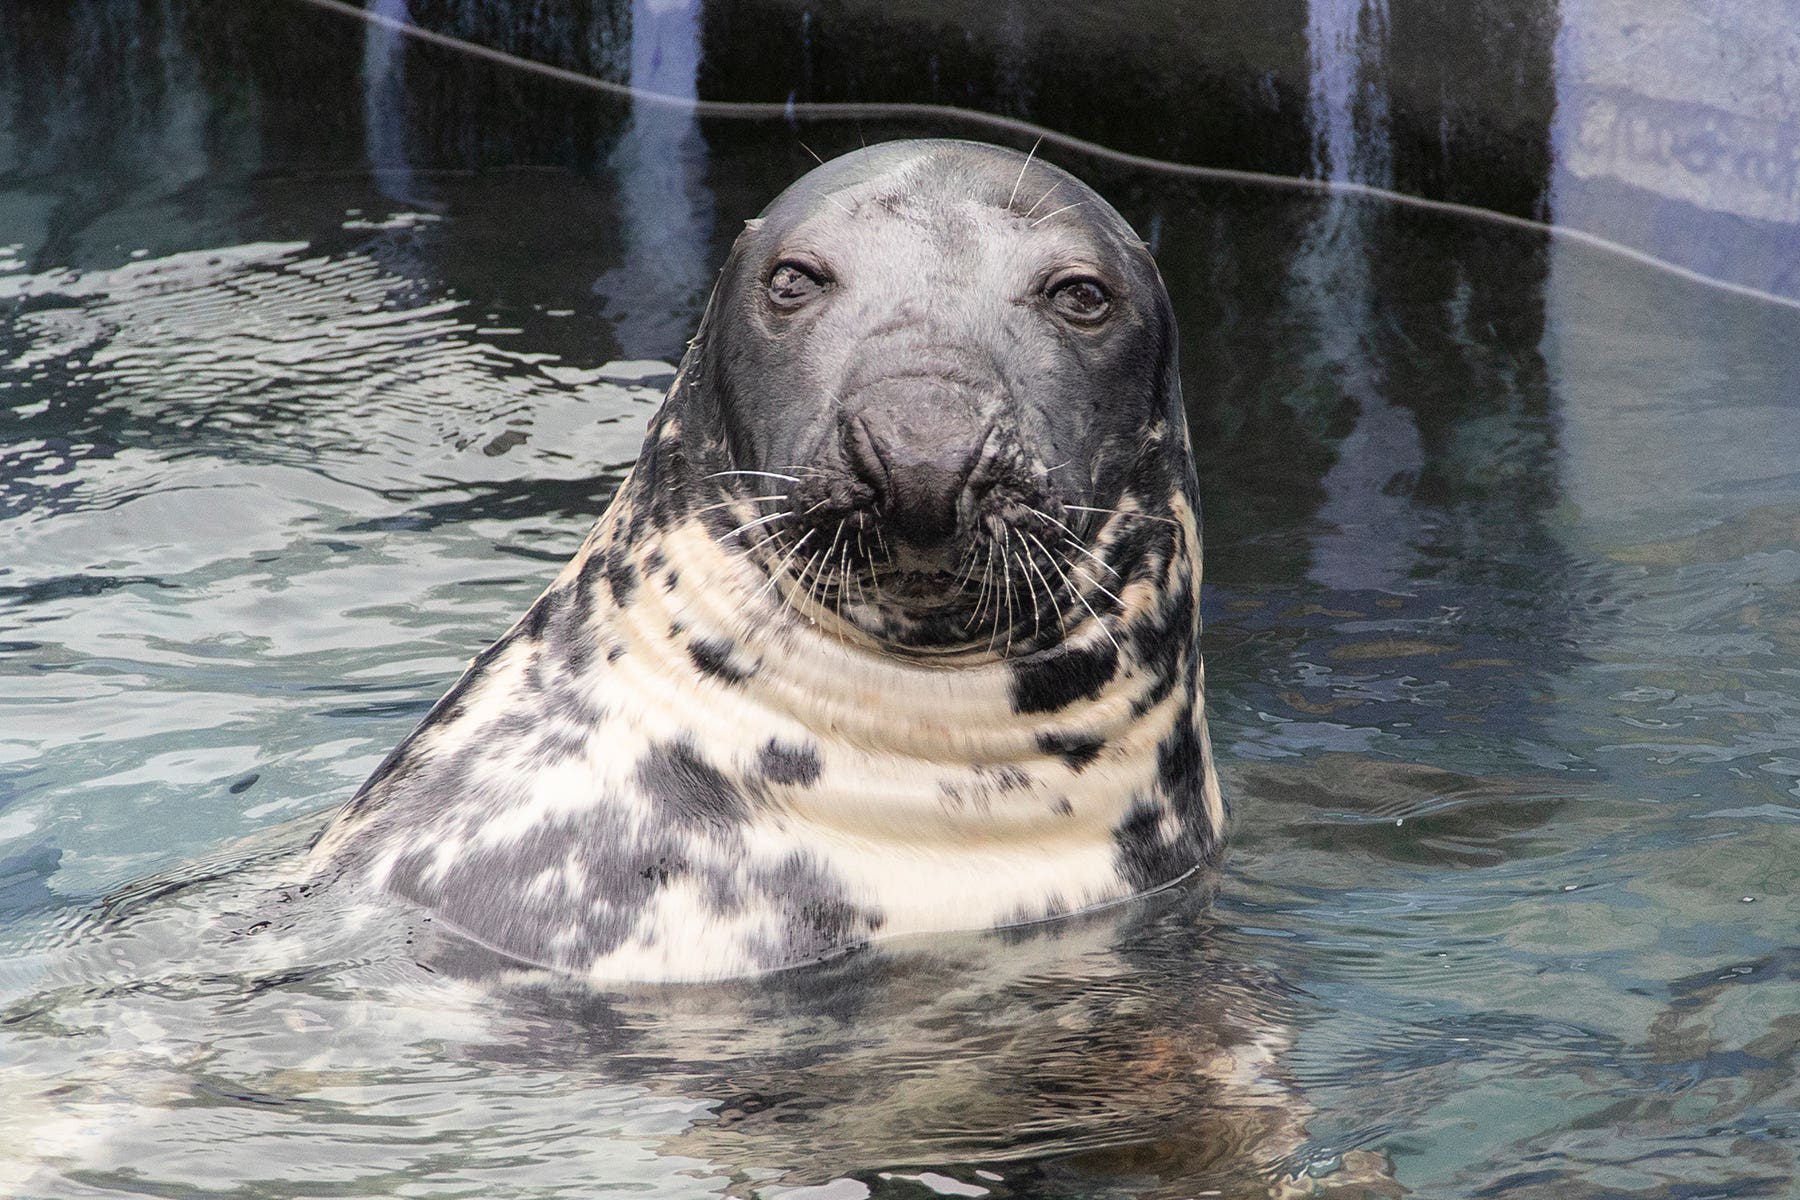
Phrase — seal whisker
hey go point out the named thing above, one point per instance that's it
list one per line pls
(967, 557)
(788, 594)
(1072, 538)
(816, 567)
(1102, 589)
(1041, 199)
(1062, 623)
(1023, 167)
(823, 580)
(1119, 512)
(729, 503)
(981, 592)
(1098, 619)
(1075, 543)
(862, 553)
(776, 571)
(836, 201)
(1065, 208)
(830, 584)
(990, 597)
(966, 575)
(811, 563)
(1006, 575)
(1012, 620)
(765, 474)
(843, 576)
(753, 524)
(1037, 605)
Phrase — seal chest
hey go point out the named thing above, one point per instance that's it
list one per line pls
(892, 628)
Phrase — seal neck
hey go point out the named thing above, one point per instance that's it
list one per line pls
(767, 651)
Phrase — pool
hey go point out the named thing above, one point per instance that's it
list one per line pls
(319, 352)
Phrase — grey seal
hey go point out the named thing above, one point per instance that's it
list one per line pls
(892, 629)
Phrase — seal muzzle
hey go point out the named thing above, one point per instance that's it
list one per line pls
(917, 454)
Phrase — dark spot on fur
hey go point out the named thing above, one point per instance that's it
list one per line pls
(571, 637)
(636, 518)
(615, 654)
(1145, 856)
(1149, 856)
(1061, 677)
(539, 615)
(713, 657)
(782, 763)
(819, 917)
(668, 498)
(567, 698)
(671, 580)
(596, 565)
(719, 523)
(654, 560)
(515, 726)
(982, 785)
(549, 915)
(1076, 749)
(688, 789)
(1181, 770)
(1134, 552)
(556, 745)
(1003, 779)
(622, 578)
(534, 670)
(1163, 642)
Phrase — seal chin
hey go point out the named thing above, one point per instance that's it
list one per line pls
(923, 592)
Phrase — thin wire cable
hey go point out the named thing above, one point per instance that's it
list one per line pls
(882, 110)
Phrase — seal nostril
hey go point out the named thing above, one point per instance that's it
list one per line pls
(917, 458)
(864, 455)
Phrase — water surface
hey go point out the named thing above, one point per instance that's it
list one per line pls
(318, 354)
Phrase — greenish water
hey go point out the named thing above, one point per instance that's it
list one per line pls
(1503, 645)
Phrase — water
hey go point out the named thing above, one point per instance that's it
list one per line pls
(319, 357)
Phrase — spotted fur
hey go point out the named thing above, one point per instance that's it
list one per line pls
(685, 762)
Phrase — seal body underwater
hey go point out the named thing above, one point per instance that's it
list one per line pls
(892, 628)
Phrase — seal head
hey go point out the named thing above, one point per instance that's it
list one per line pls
(892, 629)
(965, 358)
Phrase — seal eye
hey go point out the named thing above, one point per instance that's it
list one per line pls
(1081, 299)
(793, 284)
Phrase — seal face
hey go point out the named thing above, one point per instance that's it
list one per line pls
(892, 628)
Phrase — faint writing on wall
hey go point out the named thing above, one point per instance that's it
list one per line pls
(1687, 151)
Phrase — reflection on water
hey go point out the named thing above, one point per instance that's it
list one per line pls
(319, 350)
(1346, 44)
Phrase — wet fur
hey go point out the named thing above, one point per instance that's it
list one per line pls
(690, 759)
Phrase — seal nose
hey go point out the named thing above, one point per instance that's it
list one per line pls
(917, 458)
